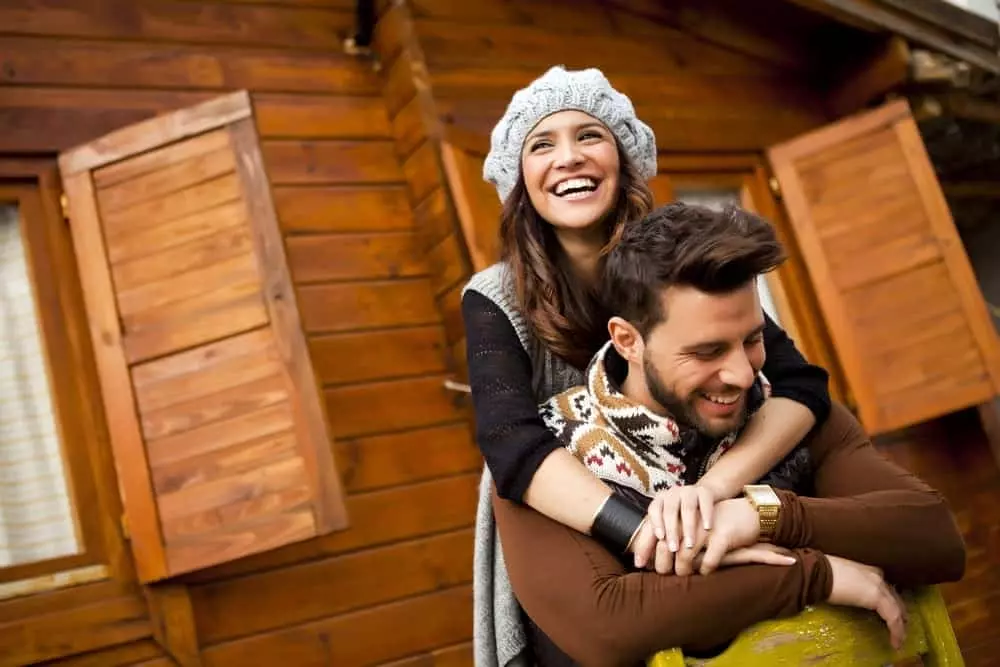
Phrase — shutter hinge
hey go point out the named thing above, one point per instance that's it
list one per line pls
(124, 524)
(775, 186)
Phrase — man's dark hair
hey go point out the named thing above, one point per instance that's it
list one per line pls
(683, 244)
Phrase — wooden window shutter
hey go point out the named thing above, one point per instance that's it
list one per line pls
(218, 427)
(476, 203)
(895, 286)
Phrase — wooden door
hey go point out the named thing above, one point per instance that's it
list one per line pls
(905, 314)
(218, 428)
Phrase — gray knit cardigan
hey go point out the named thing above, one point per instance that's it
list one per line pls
(499, 638)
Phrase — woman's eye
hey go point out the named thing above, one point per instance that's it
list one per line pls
(539, 144)
(590, 135)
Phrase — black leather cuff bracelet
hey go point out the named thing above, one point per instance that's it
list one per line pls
(616, 523)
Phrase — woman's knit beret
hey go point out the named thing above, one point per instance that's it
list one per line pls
(559, 90)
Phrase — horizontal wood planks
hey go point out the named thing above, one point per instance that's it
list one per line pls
(59, 630)
(379, 348)
(143, 652)
(716, 85)
(370, 637)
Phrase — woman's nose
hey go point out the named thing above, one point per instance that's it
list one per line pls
(568, 155)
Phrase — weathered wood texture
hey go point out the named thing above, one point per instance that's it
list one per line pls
(218, 427)
(403, 447)
(952, 454)
(705, 78)
(895, 286)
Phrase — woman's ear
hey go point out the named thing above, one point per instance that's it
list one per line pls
(626, 339)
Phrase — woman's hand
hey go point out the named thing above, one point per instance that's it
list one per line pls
(732, 540)
(675, 515)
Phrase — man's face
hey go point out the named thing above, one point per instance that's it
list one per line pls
(701, 360)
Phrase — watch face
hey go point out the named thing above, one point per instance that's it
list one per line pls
(761, 494)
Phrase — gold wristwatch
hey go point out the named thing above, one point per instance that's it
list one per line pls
(763, 499)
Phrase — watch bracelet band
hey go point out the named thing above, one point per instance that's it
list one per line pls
(768, 518)
(616, 523)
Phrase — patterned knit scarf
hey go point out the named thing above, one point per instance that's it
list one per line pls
(624, 443)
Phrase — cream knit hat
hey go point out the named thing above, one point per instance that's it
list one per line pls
(559, 90)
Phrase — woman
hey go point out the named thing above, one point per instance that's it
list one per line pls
(570, 162)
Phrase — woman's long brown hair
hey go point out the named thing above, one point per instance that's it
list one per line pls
(565, 315)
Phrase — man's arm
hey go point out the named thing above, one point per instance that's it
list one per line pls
(872, 511)
(600, 613)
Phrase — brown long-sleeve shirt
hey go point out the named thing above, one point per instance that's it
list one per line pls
(865, 508)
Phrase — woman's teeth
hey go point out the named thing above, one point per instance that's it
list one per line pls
(575, 186)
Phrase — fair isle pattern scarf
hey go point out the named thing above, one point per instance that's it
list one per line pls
(623, 442)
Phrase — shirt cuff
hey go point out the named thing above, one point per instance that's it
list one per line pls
(792, 529)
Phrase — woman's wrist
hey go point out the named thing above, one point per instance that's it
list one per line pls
(717, 488)
(616, 523)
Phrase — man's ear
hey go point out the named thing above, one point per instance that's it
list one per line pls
(626, 339)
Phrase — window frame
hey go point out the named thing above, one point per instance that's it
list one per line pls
(33, 186)
(791, 291)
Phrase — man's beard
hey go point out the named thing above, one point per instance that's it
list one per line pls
(684, 411)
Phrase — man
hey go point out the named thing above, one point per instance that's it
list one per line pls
(683, 360)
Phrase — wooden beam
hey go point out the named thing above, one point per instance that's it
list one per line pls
(172, 618)
(875, 14)
(968, 25)
(887, 69)
(972, 189)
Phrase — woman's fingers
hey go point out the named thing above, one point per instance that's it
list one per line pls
(655, 514)
(706, 505)
(671, 505)
(644, 547)
(689, 515)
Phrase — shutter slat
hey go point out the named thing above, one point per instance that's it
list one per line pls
(219, 429)
(892, 279)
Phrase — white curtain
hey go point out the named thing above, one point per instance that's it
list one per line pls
(36, 521)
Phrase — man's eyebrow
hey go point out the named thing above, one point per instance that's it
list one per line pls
(721, 343)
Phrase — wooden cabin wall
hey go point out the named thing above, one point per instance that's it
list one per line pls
(704, 84)
(706, 81)
(395, 585)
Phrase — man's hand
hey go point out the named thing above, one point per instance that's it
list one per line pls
(857, 585)
(736, 526)
(761, 554)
